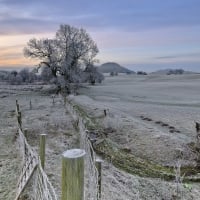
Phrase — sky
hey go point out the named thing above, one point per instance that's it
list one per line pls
(139, 34)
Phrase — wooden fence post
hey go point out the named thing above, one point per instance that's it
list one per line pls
(18, 113)
(42, 149)
(26, 133)
(98, 164)
(53, 101)
(17, 107)
(30, 105)
(19, 119)
(73, 174)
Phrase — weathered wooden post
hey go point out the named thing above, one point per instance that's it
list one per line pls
(98, 164)
(19, 119)
(26, 132)
(53, 101)
(18, 113)
(73, 174)
(42, 149)
(17, 107)
(30, 105)
(105, 113)
(65, 100)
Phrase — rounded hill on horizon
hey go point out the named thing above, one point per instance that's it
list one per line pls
(113, 67)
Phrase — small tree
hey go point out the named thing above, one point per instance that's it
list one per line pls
(32, 77)
(141, 73)
(112, 73)
(14, 78)
(4, 75)
(14, 73)
(92, 75)
(24, 73)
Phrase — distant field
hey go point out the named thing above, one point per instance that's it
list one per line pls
(161, 110)
(168, 89)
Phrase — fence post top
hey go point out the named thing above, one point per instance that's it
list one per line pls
(74, 153)
(43, 134)
(99, 160)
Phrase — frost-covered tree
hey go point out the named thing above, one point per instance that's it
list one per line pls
(27, 76)
(14, 73)
(66, 54)
(141, 73)
(21, 77)
(32, 77)
(92, 75)
(46, 51)
(14, 78)
(24, 73)
(4, 75)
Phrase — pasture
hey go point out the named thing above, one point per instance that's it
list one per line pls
(150, 117)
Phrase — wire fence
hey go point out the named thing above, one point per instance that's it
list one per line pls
(32, 167)
(43, 189)
(91, 184)
(29, 163)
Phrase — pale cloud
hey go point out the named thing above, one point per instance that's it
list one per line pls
(127, 32)
(121, 15)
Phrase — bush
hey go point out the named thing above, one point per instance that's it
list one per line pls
(175, 71)
(141, 73)
(113, 73)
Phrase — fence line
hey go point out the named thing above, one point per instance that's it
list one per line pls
(30, 165)
(32, 168)
(30, 162)
(43, 187)
(92, 179)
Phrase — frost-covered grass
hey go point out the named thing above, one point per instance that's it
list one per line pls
(43, 117)
(150, 116)
(172, 100)
(153, 115)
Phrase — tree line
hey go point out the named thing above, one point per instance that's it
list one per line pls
(24, 76)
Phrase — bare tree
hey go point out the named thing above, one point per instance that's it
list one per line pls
(92, 75)
(24, 73)
(66, 55)
(14, 78)
(21, 77)
(46, 51)
(76, 49)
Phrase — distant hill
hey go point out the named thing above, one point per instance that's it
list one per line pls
(172, 71)
(113, 67)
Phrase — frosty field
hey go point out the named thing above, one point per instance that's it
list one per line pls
(157, 113)
(150, 116)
